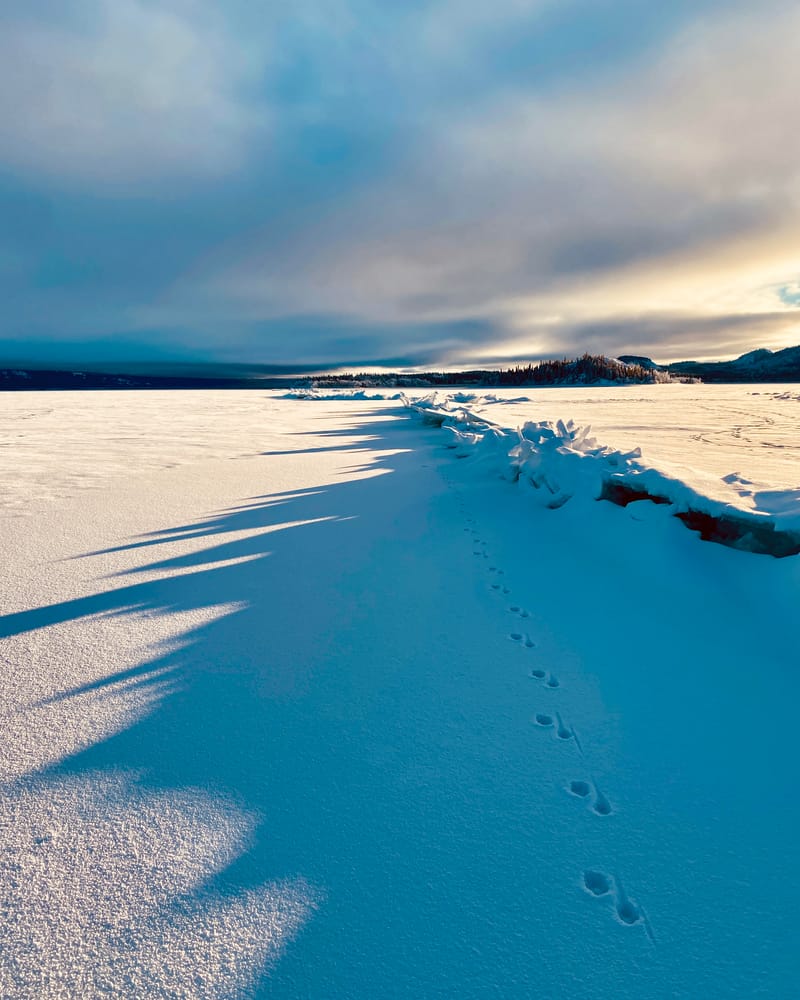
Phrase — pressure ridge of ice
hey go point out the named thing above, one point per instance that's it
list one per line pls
(557, 461)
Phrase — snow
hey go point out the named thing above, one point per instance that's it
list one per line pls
(297, 703)
(713, 449)
(325, 396)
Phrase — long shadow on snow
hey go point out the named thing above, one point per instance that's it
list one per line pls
(258, 710)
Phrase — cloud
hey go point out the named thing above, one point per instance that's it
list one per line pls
(431, 181)
(119, 93)
(645, 196)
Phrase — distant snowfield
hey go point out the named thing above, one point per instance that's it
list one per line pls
(296, 702)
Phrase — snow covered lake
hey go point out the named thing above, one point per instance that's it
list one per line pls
(317, 698)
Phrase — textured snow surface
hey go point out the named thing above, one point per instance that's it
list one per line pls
(104, 892)
(296, 703)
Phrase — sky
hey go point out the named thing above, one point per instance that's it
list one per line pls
(357, 182)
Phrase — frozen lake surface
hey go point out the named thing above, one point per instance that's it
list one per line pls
(738, 445)
(297, 703)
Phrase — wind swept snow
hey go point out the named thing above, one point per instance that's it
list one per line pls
(298, 703)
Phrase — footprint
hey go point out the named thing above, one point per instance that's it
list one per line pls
(601, 804)
(543, 720)
(523, 638)
(515, 609)
(550, 680)
(563, 732)
(583, 789)
(597, 884)
(630, 913)
(626, 911)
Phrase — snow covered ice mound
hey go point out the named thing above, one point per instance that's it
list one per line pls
(323, 396)
(557, 461)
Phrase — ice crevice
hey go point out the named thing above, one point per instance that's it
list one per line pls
(557, 461)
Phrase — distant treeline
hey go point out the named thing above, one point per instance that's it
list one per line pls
(588, 369)
(591, 369)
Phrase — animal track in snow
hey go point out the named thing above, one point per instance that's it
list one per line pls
(523, 638)
(597, 883)
(562, 730)
(515, 609)
(583, 789)
(550, 680)
(626, 911)
(630, 913)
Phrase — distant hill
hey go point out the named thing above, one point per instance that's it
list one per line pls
(35, 378)
(755, 366)
(641, 360)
